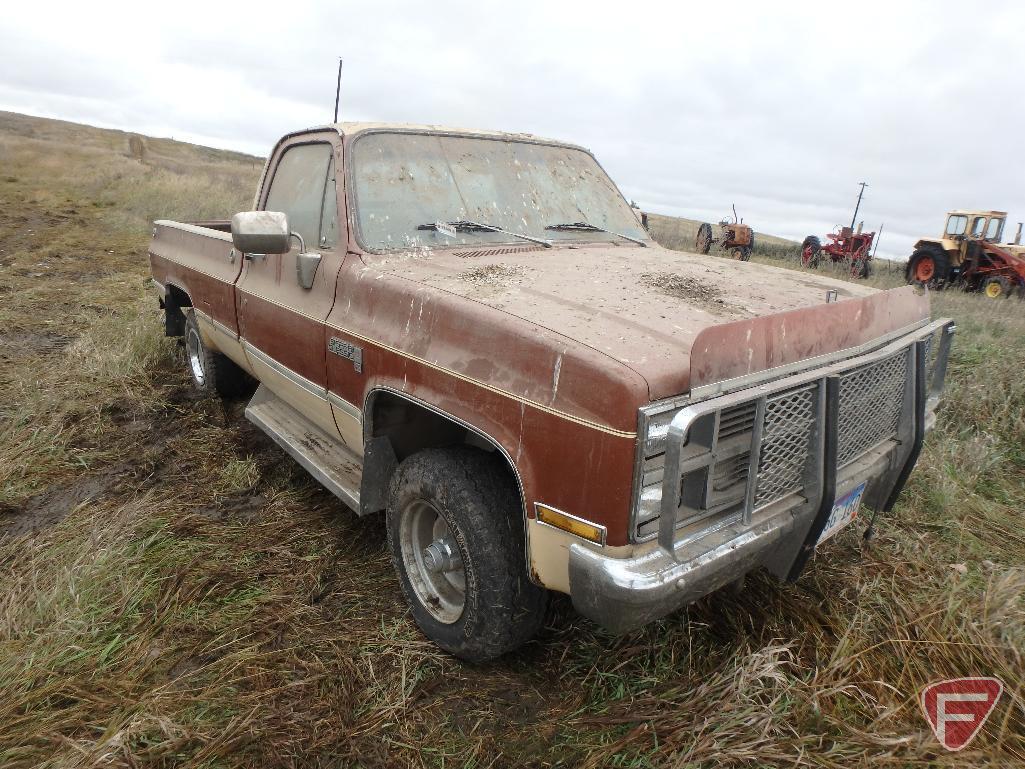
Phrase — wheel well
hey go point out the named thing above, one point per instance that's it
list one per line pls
(397, 427)
(174, 319)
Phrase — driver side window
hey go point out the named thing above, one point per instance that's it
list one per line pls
(978, 225)
(303, 187)
(956, 225)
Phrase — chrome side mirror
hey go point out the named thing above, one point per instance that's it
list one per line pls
(261, 232)
(306, 268)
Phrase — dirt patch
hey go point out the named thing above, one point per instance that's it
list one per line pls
(695, 291)
(51, 507)
(37, 342)
(243, 508)
(491, 274)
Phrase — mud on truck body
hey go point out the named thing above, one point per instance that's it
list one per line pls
(472, 333)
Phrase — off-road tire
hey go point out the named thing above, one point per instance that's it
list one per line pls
(813, 246)
(217, 374)
(996, 287)
(475, 495)
(703, 238)
(940, 270)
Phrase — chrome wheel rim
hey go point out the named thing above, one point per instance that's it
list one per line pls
(194, 349)
(432, 561)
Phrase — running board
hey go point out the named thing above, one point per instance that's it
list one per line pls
(325, 458)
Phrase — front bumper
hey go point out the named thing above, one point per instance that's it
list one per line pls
(684, 564)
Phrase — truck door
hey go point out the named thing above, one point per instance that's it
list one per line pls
(281, 322)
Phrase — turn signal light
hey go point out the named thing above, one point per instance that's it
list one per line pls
(592, 532)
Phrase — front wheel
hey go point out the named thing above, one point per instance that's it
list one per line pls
(455, 529)
(996, 287)
(811, 249)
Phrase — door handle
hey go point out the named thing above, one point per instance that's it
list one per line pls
(254, 257)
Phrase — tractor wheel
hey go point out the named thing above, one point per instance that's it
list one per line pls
(811, 250)
(861, 268)
(928, 267)
(703, 240)
(745, 253)
(996, 287)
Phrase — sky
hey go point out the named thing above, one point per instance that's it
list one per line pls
(779, 108)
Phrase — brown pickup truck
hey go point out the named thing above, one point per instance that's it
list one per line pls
(473, 333)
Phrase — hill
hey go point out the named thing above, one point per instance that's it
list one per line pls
(177, 592)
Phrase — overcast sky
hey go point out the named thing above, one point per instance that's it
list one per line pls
(781, 108)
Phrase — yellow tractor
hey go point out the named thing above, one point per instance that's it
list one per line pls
(969, 254)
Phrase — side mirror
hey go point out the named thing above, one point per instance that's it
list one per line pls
(261, 232)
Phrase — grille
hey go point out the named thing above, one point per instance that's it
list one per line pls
(871, 399)
(737, 420)
(786, 437)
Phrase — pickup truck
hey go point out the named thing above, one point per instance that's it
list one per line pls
(472, 333)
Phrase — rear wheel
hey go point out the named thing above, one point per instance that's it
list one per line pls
(928, 267)
(455, 529)
(996, 287)
(811, 250)
(703, 239)
(211, 371)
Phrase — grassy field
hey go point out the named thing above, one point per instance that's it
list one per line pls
(176, 592)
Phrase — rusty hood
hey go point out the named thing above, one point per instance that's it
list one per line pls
(677, 319)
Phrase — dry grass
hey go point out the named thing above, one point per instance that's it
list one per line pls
(176, 593)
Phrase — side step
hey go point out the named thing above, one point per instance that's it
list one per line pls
(330, 462)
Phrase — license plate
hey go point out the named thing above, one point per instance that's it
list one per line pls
(844, 511)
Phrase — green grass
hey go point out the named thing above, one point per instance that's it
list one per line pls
(191, 598)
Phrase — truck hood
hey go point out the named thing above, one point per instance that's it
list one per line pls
(677, 319)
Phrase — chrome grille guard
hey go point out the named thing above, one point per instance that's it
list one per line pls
(806, 427)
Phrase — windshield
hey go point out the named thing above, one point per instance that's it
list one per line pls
(406, 180)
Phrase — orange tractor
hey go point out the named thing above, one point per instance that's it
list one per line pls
(969, 254)
(735, 238)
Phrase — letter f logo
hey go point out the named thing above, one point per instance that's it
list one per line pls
(957, 708)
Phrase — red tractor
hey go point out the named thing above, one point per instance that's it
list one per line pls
(846, 246)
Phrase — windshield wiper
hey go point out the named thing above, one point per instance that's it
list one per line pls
(468, 226)
(592, 228)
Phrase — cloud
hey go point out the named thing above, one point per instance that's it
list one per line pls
(779, 109)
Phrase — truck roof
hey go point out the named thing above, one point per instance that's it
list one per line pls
(978, 212)
(351, 128)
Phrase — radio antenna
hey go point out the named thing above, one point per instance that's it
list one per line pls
(338, 87)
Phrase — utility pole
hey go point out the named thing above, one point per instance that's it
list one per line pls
(856, 207)
(338, 87)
